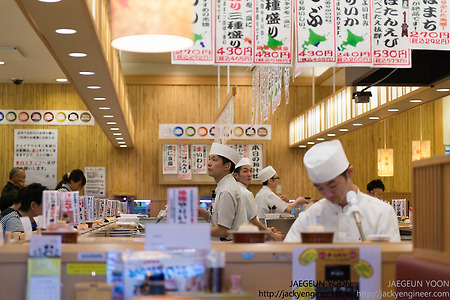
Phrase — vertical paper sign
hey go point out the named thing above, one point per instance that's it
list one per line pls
(286, 78)
(203, 50)
(315, 32)
(199, 159)
(35, 150)
(170, 159)
(182, 205)
(336, 272)
(354, 32)
(428, 24)
(50, 208)
(255, 95)
(256, 157)
(272, 32)
(234, 32)
(399, 207)
(69, 207)
(95, 181)
(184, 163)
(263, 91)
(390, 35)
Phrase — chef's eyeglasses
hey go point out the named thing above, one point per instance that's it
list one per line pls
(275, 178)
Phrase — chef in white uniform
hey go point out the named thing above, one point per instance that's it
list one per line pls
(228, 211)
(329, 170)
(243, 174)
(266, 198)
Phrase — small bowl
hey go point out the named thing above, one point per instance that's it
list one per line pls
(66, 236)
(378, 238)
(317, 237)
(249, 237)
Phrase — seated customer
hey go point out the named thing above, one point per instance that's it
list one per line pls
(30, 206)
(16, 181)
(375, 188)
(72, 182)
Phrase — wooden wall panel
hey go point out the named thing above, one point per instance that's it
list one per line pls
(135, 171)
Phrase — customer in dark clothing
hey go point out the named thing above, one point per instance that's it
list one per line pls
(16, 181)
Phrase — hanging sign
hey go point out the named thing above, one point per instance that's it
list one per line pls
(170, 159)
(272, 33)
(254, 153)
(286, 78)
(202, 52)
(429, 24)
(234, 32)
(206, 132)
(354, 33)
(390, 35)
(315, 32)
(224, 121)
(255, 95)
(199, 159)
(95, 181)
(36, 151)
(184, 164)
(263, 92)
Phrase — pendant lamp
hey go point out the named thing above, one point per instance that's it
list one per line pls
(385, 159)
(151, 25)
(420, 149)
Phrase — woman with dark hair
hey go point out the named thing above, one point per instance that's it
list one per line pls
(72, 182)
(30, 206)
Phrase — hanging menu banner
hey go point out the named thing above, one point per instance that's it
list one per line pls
(202, 52)
(45, 117)
(95, 181)
(272, 33)
(315, 28)
(390, 35)
(199, 159)
(234, 32)
(254, 153)
(36, 151)
(184, 162)
(170, 159)
(429, 20)
(354, 33)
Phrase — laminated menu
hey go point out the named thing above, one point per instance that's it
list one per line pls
(51, 208)
(69, 207)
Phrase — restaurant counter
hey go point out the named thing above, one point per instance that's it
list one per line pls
(263, 268)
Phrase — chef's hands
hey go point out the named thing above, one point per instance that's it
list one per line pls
(202, 213)
(301, 201)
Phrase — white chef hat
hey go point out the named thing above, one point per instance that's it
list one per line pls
(266, 173)
(244, 162)
(325, 161)
(225, 151)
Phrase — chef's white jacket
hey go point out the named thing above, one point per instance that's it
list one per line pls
(228, 206)
(377, 217)
(265, 198)
(249, 200)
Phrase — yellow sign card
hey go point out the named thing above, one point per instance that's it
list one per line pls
(86, 269)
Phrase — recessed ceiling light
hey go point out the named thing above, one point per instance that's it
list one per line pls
(393, 109)
(302, 146)
(2, 62)
(119, 139)
(111, 123)
(374, 118)
(357, 124)
(343, 129)
(104, 108)
(442, 90)
(320, 139)
(99, 98)
(61, 80)
(49, 1)
(108, 116)
(121, 143)
(331, 134)
(94, 87)
(65, 31)
(117, 133)
(77, 54)
(123, 146)
(310, 143)
(115, 129)
(415, 101)
(86, 73)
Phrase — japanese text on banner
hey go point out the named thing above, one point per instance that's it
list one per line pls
(315, 28)
(354, 32)
(234, 32)
(272, 32)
